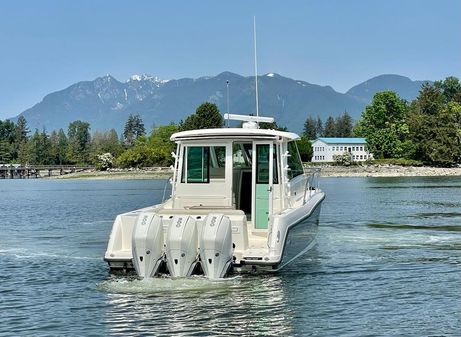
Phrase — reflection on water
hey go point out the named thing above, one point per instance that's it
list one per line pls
(387, 263)
(240, 307)
(163, 286)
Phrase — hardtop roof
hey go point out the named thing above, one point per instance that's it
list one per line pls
(229, 133)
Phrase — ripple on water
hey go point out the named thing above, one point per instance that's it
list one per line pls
(447, 228)
(387, 263)
(165, 285)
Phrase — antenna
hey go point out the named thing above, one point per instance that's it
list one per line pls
(256, 67)
(227, 85)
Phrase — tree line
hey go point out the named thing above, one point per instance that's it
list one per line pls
(134, 148)
(427, 129)
(341, 126)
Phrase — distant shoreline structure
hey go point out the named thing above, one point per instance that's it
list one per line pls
(327, 172)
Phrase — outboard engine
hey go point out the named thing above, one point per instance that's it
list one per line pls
(181, 246)
(216, 246)
(147, 244)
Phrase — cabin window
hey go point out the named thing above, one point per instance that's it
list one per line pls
(217, 162)
(196, 164)
(262, 164)
(241, 154)
(202, 163)
(295, 166)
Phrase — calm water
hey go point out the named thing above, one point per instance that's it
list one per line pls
(387, 263)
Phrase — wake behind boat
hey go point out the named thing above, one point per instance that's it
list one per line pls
(240, 201)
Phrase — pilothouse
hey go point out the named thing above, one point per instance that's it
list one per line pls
(240, 201)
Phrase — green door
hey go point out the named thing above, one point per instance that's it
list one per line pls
(264, 153)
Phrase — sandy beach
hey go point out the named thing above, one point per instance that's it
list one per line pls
(326, 171)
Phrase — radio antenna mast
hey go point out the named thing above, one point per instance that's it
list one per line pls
(227, 85)
(256, 67)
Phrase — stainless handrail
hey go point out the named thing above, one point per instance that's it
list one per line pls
(312, 181)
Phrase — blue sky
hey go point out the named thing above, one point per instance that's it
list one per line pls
(47, 45)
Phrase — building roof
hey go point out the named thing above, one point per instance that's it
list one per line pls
(343, 140)
(226, 133)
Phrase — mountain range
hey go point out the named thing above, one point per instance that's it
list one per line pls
(106, 102)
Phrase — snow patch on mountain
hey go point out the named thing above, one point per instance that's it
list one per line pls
(146, 77)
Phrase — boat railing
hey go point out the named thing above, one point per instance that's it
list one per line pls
(169, 182)
(312, 176)
(303, 186)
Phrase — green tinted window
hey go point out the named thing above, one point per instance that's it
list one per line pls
(295, 166)
(262, 165)
(198, 159)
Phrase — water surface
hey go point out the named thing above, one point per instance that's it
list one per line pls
(387, 263)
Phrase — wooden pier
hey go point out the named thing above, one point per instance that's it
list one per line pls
(12, 171)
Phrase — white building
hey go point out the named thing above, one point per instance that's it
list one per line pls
(326, 148)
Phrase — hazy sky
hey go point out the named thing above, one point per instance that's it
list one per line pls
(46, 45)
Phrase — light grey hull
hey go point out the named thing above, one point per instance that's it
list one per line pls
(300, 237)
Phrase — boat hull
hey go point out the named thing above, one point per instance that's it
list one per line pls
(300, 237)
(292, 234)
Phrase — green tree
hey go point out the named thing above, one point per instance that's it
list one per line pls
(39, 149)
(330, 128)
(444, 149)
(7, 131)
(20, 136)
(103, 143)
(152, 151)
(319, 128)
(61, 148)
(435, 126)
(54, 147)
(159, 140)
(383, 124)
(305, 148)
(8, 150)
(450, 88)
(5, 152)
(79, 138)
(134, 128)
(23, 153)
(21, 130)
(344, 125)
(310, 128)
(111, 143)
(207, 116)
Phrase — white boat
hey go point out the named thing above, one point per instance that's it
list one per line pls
(240, 201)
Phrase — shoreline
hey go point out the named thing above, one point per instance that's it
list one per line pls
(118, 174)
(389, 171)
(326, 171)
